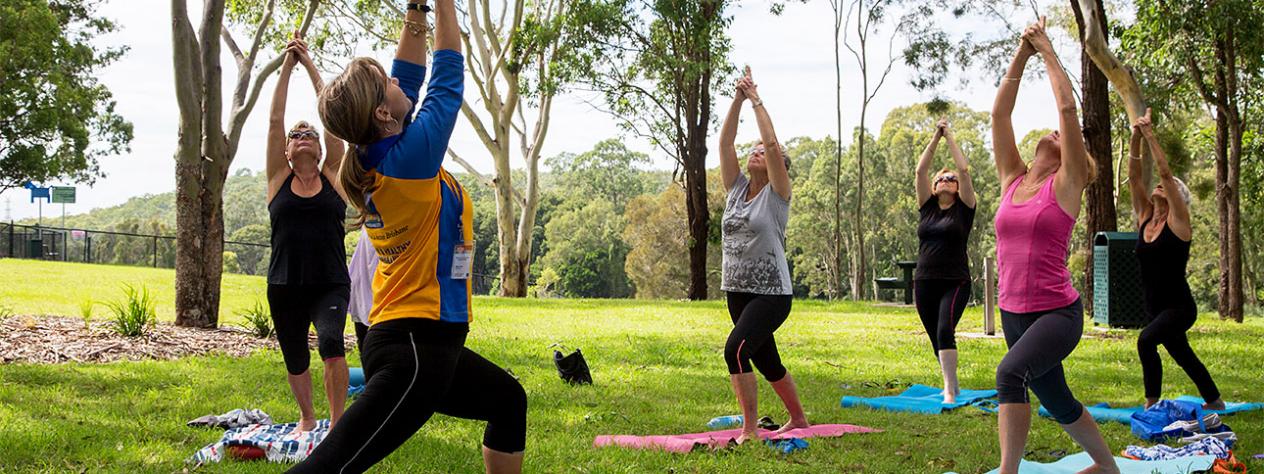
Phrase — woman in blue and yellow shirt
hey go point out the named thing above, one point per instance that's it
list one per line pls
(419, 220)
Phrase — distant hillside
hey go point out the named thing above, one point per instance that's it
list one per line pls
(156, 213)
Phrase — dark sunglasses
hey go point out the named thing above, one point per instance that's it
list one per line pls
(297, 134)
(949, 178)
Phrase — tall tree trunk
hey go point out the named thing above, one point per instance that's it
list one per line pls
(1234, 235)
(836, 276)
(699, 221)
(513, 271)
(199, 242)
(1222, 209)
(858, 256)
(1095, 102)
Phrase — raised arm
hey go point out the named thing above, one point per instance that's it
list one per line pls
(334, 148)
(276, 167)
(412, 39)
(1076, 169)
(1178, 210)
(428, 135)
(1138, 182)
(778, 175)
(729, 167)
(965, 186)
(1009, 164)
(921, 180)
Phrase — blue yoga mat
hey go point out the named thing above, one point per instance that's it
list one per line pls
(1230, 407)
(1075, 463)
(919, 399)
(1104, 412)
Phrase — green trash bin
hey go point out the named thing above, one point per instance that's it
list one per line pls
(1117, 297)
(35, 248)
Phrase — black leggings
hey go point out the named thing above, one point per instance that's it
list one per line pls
(1038, 342)
(298, 307)
(940, 304)
(1168, 328)
(755, 318)
(415, 368)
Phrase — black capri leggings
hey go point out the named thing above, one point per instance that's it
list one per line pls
(298, 307)
(1168, 328)
(940, 304)
(415, 368)
(1038, 342)
(755, 318)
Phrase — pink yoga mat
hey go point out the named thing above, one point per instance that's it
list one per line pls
(684, 443)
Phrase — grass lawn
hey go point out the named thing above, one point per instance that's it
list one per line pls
(37, 287)
(658, 369)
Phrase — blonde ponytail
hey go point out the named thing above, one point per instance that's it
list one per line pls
(346, 106)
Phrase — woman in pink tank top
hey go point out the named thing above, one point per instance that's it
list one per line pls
(1041, 313)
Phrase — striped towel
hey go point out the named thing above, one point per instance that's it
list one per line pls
(279, 442)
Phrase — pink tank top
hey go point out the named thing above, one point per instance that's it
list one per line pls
(1031, 252)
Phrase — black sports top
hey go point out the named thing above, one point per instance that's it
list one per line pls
(307, 237)
(1163, 271)
(942, 235)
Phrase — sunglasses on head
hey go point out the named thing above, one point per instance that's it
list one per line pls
(297, 134)
(948, 177)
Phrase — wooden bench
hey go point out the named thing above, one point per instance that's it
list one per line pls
(897, 283)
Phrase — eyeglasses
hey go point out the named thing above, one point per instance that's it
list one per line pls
(759, 150)
(949, 178)
(297, 134)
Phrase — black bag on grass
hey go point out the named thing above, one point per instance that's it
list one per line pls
(572, 368)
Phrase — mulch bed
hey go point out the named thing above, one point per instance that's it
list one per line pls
(53, 340)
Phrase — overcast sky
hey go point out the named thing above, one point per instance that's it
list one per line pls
(791, 55)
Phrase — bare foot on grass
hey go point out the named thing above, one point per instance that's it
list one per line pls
(791, 425)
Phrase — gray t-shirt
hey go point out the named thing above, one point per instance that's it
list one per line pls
(755, 241)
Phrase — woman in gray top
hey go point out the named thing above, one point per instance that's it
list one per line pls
(756, 277)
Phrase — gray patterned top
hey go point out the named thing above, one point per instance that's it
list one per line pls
(755, 241)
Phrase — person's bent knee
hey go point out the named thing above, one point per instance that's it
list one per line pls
(773, 374)
(1011, 383)
(1066, 413)
(507, 430)
(297, 359)
(330, 346)
(947, 341)
(736, 357)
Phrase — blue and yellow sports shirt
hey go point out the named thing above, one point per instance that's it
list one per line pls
(417, 210)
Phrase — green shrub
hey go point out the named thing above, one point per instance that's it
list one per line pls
(85, 312)
(135, 314)
(258, 320)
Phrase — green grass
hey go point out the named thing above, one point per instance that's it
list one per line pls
(658, 369)
(37, 287)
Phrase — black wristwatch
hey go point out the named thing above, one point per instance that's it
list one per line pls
(419, 6)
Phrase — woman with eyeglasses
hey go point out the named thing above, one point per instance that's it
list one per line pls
(1041, 312)
(1163, 252)
(307, 274)
(941, 282)
(756, 277)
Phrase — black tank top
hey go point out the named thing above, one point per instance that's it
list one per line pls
(1163, 271)
(942, 235)
(307, 237)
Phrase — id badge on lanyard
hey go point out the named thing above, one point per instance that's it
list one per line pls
(463, 251)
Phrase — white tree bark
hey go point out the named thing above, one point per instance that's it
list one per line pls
(488, 43)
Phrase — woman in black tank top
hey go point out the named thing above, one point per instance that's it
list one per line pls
(1163, 251)
(941, 282)
(307, 273)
